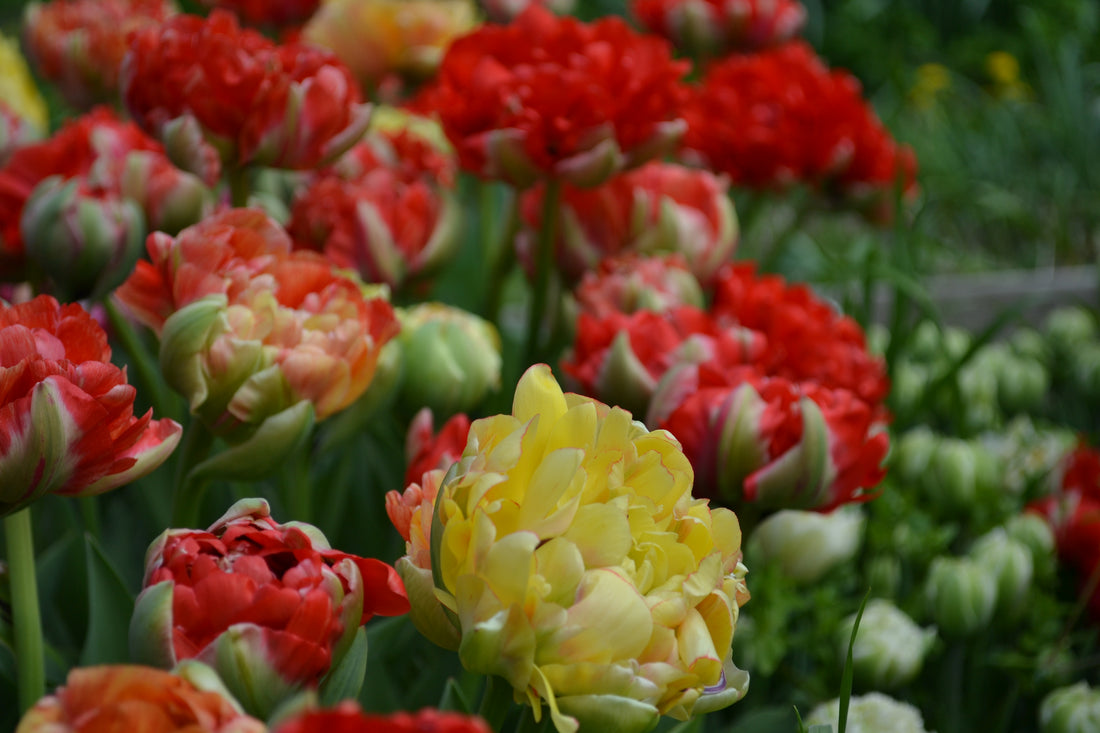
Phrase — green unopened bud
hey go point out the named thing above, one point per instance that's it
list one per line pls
(86, 243)
(1085, 364)
(889, 647)
(871, 713)
(1021, 384)
(1068, 329)
(1009, 562)
(960, 475)
(1034, 532)
(913, 453)
(910, 381)
(961, 595)
(1027, 343)
(884, 575)
(451, 358)
(807, 545)
(1073, 709)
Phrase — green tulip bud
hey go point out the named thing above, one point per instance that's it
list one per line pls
(87, 243)
(807, 545)
(913, 453)
(451, 358)
(1033, 532)
(1068, 329)
(871, 713)
(889, 647)
(1010, 564)
(961, 595)
(1073, 709)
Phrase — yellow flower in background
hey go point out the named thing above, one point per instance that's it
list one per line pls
(383, 39)
(17, 89)
(1004, 71)
(569, 557)
(932, 79)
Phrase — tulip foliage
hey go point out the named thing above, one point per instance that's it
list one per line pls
(471, 307)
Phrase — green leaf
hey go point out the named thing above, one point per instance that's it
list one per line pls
(345, 680)
(110, 606)
(454, 698)
(846, 678)
(278, 436)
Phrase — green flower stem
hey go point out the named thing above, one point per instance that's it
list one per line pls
(299, 487)
(145, 364)
(502, 250)
(496, 702)
(544, 264)
(30, 657)
(186, 491)
(238, 186)
(528, 724)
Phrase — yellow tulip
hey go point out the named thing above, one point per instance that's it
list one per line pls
(17, 89)
(569, 557)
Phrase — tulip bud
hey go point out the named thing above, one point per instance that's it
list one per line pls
(889, 648)
(1085, 363)
(961, 595)
(86, 243)
(1027, 343)
(1021, 384)
(884, 575)
(959, 472)
(910, 381)
(1068, 329)
(171, 199)
(1073, 709)
(871, 713)
(914, 453)
(272, 608)
(451, 357)
(807, 545)
(1009, 562)
(1035, 533)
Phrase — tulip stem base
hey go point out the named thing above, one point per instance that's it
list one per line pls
(187, 492)
(148, 371)
(544, 267)
(238, 186)
(30, 656)
(496, 702)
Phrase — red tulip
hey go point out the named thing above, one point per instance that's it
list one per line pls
(134, 698)
(781, 116)
(270, 607)
(769, 441)
(209, 88)
(274, 13)
(631, 283)
(67, 423)
(807, 338)
(549, 97)
(348, 718)
(657, 208)
(718, 27)
(78, 45)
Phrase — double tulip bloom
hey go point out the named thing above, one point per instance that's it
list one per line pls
(554, 98)
(78, 45)
(718, 27)
(136, 698)
(67, 423)
(250, 329)
(386, 209)
(217, 94)
(272, 608)
(78, 204)
(779, 117)
(567, 555)
(659, 208)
